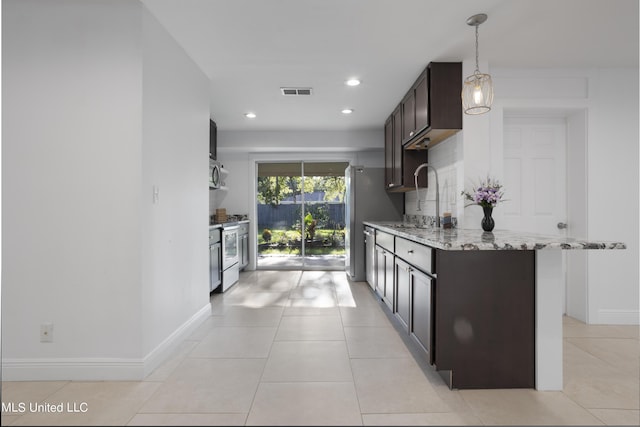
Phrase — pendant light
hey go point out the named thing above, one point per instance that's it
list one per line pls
(477, 91)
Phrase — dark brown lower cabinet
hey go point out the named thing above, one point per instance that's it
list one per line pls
(414, 307)
(370, 256)
(422, 311)
(403, 289)
(385, 283)
(471, 312)
(485, 318)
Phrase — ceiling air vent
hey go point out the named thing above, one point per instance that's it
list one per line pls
(295, 91)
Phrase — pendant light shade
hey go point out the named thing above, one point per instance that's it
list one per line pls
(477, 93)
(477, 90)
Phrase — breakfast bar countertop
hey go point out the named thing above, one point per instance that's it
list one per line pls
(456, 239)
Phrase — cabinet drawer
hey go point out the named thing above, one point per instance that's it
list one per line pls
(420, 256)
(385, 240)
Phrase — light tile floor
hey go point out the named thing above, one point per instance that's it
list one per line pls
(312, 348)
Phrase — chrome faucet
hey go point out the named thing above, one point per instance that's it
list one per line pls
(415, 175)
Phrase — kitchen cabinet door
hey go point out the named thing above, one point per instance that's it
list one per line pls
(415, 108)
(388, 153)
(389, 282)
(397, 147)
(437, 105)
(421, 103)
(402, 162)
(422, 310)
(370, 256)
(213, 140)
(380, 274)
(385, 273)
(215, 265)
(243, 245)
(244, 250)
(409, 114)
(403, 288)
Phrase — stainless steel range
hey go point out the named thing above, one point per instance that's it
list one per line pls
(230, 256)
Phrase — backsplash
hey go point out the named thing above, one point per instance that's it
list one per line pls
(446, 157)
(426, 220)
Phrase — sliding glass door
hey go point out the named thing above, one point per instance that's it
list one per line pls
(279, 210)
(300, 215)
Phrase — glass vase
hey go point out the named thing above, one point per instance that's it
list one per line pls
(487, 221)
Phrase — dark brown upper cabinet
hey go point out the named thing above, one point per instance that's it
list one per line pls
(408, 115)
(430, 112)
(400, 163)
(397, 147)
(388, 152)
(432, 107)
(415, 108)
(213, 140)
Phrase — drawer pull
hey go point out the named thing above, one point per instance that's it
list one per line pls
(410, 251)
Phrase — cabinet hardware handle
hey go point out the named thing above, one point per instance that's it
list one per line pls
(411, 133)
(410, 251)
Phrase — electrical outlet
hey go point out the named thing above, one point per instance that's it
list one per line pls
(46, 332)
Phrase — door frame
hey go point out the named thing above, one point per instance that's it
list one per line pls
(575, 113)
(277, 157)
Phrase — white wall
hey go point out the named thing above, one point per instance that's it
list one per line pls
(301, 141)
(576, 304)
(613, 195)
(175, 244)
(74, 199)
(71, 182)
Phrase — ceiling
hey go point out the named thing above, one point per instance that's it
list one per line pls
(251, 48)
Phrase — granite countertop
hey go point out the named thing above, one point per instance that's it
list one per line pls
(228, 223)
(456, 239)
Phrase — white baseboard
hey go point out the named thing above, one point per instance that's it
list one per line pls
(618, 317)
(101, 369)
(158, 355)
(72, 369)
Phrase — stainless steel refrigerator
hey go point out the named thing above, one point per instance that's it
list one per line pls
(366, 200)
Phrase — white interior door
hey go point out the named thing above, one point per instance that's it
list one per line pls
(535, 176)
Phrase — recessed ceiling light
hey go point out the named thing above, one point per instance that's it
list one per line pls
(250, 115)
(347, 111)
(353, 82)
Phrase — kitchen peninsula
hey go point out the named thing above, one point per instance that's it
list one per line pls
(485, 308)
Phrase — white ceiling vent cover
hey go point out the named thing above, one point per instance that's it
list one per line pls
(295, 91)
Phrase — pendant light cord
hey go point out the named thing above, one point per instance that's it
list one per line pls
(477, 52)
